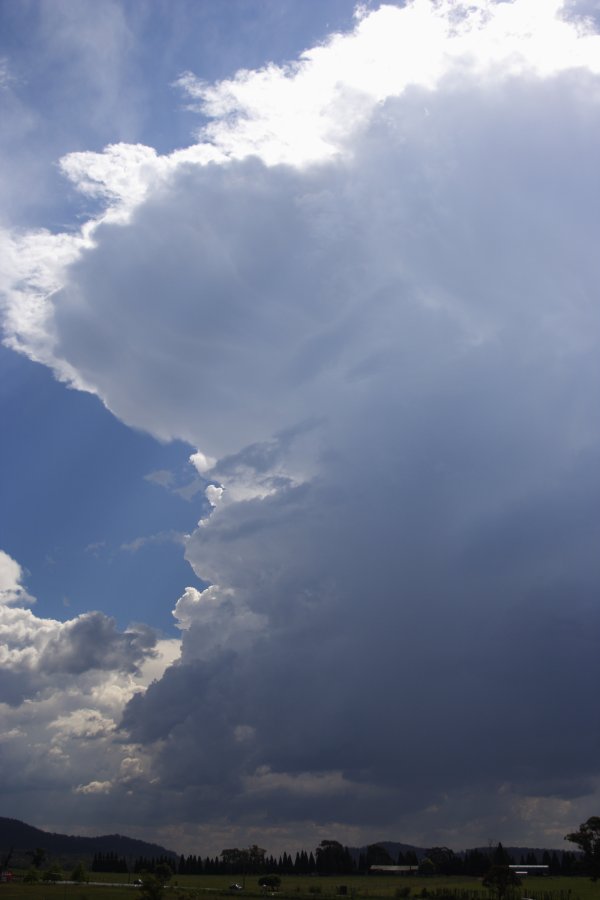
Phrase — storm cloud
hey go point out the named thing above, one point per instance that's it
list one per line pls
(383, 341)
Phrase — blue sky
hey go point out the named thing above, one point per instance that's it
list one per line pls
(81, 78)
(94, 469)
(63, 451)
(298, 387)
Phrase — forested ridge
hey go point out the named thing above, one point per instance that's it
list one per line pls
(118, 853)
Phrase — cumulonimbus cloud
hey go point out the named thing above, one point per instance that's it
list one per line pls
(367, 295)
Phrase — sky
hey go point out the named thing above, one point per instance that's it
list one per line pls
(299, 470)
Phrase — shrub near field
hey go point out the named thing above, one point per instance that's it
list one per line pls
(193, 887)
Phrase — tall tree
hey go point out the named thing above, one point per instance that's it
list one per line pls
(378, 856)
(588, 841)
(233, 859)
(38, 857)
(500, 879)
(256, 858)
(500, 857)
(80, 873)
(443, 859)
(333, 859)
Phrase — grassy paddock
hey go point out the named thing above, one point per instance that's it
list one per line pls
(388, 886)
(192, 887)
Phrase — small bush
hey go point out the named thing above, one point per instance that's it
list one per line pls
(54, 873)
(272, 882)
(152, 887)
(32, 876)
(79, 873)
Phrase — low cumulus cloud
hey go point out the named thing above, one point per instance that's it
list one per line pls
(11, 581)
(63, 688)
(40, 654)
(367, 296)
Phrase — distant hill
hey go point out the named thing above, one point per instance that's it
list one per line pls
(394, 848)
(517, 852)
(24, 838)
(65, 848)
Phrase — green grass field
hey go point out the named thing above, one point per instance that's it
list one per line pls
(192, 887)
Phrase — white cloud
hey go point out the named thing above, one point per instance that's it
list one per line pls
(350, 75)
(58, 730)
(213, 494)
(304, 112)
(166, 652)
(40, 656)
(163, 537)
(131, 769)
(201, 462)
(214, 621)
(94, 787)
(11, 578)
(305, 784)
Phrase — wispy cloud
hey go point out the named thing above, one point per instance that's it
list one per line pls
(5, 74)
(163, 537)
(95, 547)
(161, 477)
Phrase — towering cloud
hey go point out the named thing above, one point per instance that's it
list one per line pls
(367, 296)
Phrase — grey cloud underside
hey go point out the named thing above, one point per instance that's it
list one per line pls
(259, 296)
(419, 675)
(92, 642)
(45, 658)
(430, 304)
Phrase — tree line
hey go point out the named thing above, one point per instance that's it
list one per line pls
(332, 858)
